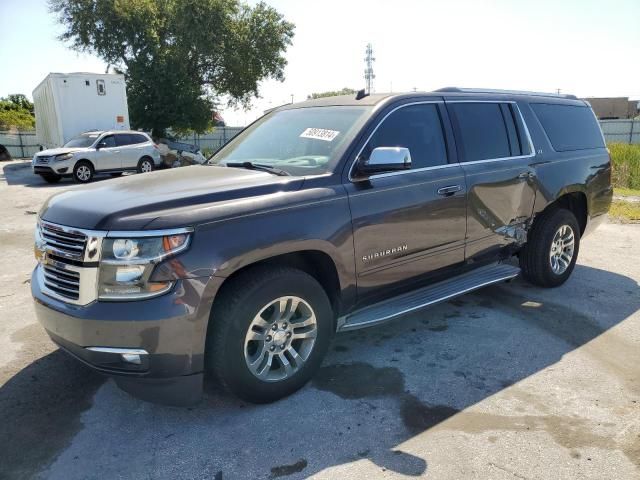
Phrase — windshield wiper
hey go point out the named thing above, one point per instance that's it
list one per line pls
(258, 166)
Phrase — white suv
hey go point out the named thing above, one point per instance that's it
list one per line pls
(111, 152)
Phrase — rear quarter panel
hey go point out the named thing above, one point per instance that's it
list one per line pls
(558, 173)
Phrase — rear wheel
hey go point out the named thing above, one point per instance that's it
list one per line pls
(83, 172)
(145, 165)
(551, 252)
(51, 177)
(269, 333)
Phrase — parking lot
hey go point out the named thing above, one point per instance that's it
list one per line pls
(509, 382)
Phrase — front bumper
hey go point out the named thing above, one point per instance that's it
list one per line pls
(52, 167)
(171, 329)
(51, 170)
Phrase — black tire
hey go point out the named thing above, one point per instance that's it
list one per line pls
(232, 316)
(535, 260)
(79, 171)
(146, 162)
(51, 178)
(116, 174)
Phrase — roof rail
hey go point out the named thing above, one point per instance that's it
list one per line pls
(504, 92)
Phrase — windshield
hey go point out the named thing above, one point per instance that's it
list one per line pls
(85, 140)
(303, 141)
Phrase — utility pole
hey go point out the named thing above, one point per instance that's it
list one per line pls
(368, 71)
(292, 98)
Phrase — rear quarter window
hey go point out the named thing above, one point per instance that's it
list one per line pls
(138, 138)
(569, 127)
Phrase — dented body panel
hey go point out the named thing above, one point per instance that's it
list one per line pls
(381, 236)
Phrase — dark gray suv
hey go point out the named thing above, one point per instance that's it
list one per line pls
(320, 217)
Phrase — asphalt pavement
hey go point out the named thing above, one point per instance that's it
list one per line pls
(512, 381)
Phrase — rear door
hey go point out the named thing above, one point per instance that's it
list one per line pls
(405, 225)
(137, 149)
(497, 156)
(127, 152)
(107, 157)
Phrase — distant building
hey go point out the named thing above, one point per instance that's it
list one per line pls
(614, 107)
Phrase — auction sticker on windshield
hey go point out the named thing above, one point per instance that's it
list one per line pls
(320, 134)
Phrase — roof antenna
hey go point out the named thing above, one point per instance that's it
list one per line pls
(361, 94)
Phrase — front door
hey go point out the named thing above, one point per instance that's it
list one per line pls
(411, 223)
(107, 157)
(496, 154)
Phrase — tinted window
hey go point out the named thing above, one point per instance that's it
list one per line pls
(85, 140)
(123, 139)
(108, 142)
(569, 127)
(481, 131)
(509, 122)
(416, 127)
(137, 138)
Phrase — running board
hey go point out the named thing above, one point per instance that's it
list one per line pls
(430, 295)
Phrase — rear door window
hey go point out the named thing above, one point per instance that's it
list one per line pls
(123, 139)
(481, 131)
(569, 127)
(416, 127)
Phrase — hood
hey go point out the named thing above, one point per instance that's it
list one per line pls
(167, 198)
(58, 151)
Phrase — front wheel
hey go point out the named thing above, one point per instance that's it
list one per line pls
(145, 165)
(551, 252)
(269, 333)
(83, 172)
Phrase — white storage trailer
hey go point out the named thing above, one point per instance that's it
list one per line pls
(67, 104)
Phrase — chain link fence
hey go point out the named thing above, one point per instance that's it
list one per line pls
(210, 142)
(621, 131)
(24, 144)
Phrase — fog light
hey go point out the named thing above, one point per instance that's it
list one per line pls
(129, 274)
(131, 358)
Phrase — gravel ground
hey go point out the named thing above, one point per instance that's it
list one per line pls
(509, 382)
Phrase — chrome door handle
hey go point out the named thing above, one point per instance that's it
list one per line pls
(450, 190)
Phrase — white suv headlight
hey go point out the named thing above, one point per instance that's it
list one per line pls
(127, 265)
(64, 156)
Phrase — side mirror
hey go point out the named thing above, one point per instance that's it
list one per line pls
(100, 145)
(383, 160)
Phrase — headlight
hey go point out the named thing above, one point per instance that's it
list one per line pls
(64, 156)
(127, 265)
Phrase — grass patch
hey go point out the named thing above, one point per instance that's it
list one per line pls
(627, 212)
(625, 160)
(626, 192)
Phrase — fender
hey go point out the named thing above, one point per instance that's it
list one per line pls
(221, 248)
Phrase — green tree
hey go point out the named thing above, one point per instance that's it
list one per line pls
(344, 91)
(180, 56)
(16, 111)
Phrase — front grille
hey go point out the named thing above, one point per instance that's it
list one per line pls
(43, 159)
(63, 282)
(65, 242)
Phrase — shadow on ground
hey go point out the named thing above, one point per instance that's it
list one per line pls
(377, 389)
(19, 173)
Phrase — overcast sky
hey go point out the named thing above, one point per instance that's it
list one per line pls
(585, 47)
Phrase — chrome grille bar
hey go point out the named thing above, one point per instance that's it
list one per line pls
(67, 269)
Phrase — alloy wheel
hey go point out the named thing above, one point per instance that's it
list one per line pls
(562, 248)
(83, 173)
(280, 339)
